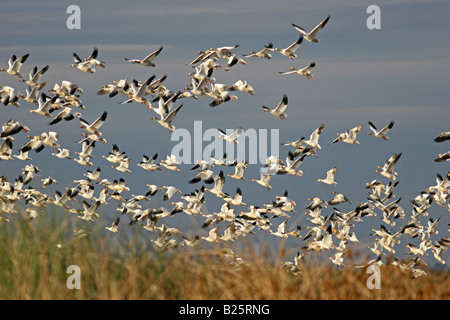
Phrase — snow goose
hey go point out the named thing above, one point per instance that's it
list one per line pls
(170, 163)
(292, 166)
(349, 136)
(264, 53)
(92, 59)
(306, 71)
(6, 149)
(443, 136)
(220, 95)
(94, 126)
(314, 138)
(66, 114)
(23, 156)
(123, 166)
(338, 198)
(170, 191)
(243, 86)
(280, 230)
(35, 76)
(237, 200)
(149, 163)
(219, 181)
(279, 110)
(12, 127)
(266, 176)
(62, 153)
(330, 177)
(14, 65)
(381, 134)
(338, 259)
(233, 60)
(148, 60)
(46, 105)
(115, 156)
(86, 149)
(81, 65)
(239, 168)
(166, 122)
(442, 157)
(33, 94)
(232, 137)
(8, 96)
(290, 51)
(221, 161)
(139, 91)
(312, 35)
(35, 143)
(387, 169)
(207, 176)
(115, 226)
(89, 212)
(213, 235)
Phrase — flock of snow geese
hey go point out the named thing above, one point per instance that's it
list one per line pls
(330, 232)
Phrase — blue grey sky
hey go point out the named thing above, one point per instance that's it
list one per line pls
(399, 72)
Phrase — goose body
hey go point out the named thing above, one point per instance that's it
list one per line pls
(312, 35)
(280, 108)
(306, 71)
(148, 60)
(290, 51)
(14, 65)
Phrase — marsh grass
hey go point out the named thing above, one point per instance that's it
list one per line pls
(34, 267)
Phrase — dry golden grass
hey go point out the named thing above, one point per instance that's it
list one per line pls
(34, 268)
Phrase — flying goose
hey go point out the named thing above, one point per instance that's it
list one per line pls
(266, 176)
(170, 163)
(94, 126)
(212, 236)
(149, 163)
(381, 134)
(280, 230)
(442, 157)
(14, 65)
(35, 76)
(349, 136)
(243, 86)
(65, 114)
(6, 149)
(280, 108)
(306, 71)
(92, 59)
(148, 60)
(239, 168)
(330, 177)
(233, 60)
(8, 96)
(314, 138)
(167, 121)
(387, 169)
(232, 137)
(312, 35)
(290, 51)
(115, 226)
(139, 91)
(123, 166)
(219, 181)
(33, 94)
(292, 165)
(62, 153)
(81, 65)
(171, 190)
(264, 53)
(443, 136)
(46, 106)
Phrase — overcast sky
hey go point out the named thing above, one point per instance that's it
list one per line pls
(399, 72)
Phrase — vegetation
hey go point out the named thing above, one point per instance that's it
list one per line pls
(35, 255)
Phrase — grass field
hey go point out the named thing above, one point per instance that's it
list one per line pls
(34, 267)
